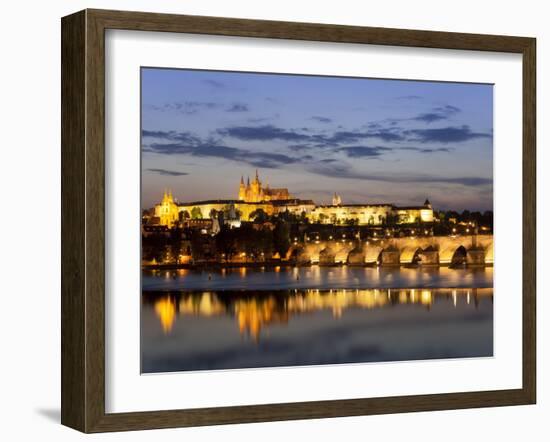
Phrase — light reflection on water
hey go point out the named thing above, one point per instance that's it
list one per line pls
(316, 277)
(208, 329)
(253, 311)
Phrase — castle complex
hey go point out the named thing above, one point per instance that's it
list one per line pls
(254, 196)
(255, 193)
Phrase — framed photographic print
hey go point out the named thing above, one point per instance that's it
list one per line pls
(269, 220)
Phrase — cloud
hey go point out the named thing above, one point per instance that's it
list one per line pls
(447, 109)
(344, 137)
(262, 119)
(439, 149)
(319, 147)
(183, 143)
(409, 97)
(343, 170)
(238, 107)
(270, 132)
(262, 133)
(445, 135)
(438, 113)
(430, 117)
(186, 107)
(166, 172)
(321, 119)
(346, 140)
(214, 83)
(184, 137)
(427, 150)
(300, 146)
(364, 151)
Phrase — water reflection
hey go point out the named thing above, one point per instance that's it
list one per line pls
(254, 311)
(287, 316)
(165, 309)
(315, 277)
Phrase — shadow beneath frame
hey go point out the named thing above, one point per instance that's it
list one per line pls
(51, 414)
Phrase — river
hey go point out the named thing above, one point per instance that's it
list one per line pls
(287, 316)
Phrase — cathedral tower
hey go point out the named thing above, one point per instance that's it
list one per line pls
(254, 192)
(256, 189)
(242, 190)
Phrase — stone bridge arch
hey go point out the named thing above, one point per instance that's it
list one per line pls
(336, 252)
(447, 252)
(373, 254)
(410, 254)
(429, 250)
(460, 256)
(327, 256)
(294, 252)
(357, 255)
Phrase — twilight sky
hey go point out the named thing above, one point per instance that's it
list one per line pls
(368, 140)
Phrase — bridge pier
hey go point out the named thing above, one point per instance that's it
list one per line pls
(356, 257)
(326, 257)
(475, 257)
(430, 257)
(390, 257)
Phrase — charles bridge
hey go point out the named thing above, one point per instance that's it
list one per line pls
(425, 250)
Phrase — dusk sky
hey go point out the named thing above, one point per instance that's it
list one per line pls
(369, 140)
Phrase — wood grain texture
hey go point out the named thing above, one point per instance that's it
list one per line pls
(73, 253)
(83, 210)
(529, 220)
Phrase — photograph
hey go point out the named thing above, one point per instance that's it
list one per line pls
(299, 220)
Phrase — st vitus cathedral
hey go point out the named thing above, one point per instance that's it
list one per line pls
(255, 193)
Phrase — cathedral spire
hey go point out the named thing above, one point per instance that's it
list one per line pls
(242, 180)
(248, 181)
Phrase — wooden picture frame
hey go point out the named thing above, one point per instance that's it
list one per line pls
(83, 220)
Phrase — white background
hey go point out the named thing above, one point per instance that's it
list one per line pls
(128, 391)
(29, 183)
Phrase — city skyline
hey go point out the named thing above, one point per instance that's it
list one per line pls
(368, 140)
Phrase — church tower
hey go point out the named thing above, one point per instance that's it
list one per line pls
(242, 190)
(256, 189)
(167, 210)
(336, 200)
(255, 192)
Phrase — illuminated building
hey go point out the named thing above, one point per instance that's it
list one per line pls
(167, 211)
(255, 193)
(254, 197)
